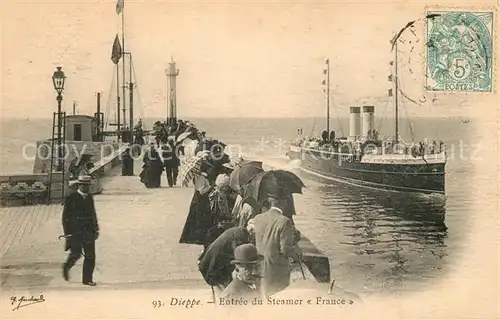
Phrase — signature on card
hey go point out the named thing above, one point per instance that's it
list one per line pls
(24, 301)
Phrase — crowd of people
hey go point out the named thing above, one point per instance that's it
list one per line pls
(248, 245)
(165, 154)
(372, 144)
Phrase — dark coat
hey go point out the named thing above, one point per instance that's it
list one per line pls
(215, 262)
(79, 218)
(199, 220)
(289, 208)
(152, 169)
(170, 158)
(238, 289)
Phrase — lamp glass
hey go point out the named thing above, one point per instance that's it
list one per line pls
(58, 79)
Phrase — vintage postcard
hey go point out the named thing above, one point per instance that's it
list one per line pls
(249, 159)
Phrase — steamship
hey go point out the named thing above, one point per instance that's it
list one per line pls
(363, 159)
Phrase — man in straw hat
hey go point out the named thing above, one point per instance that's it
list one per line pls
(79, 220)
(246, 275)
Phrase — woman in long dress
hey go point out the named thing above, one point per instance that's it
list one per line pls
(199, 220)
(152, 169)
(220, 209)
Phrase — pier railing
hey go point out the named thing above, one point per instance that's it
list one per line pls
(33, 188)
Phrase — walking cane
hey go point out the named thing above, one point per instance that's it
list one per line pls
(300, 265)
(290, 266)
(213, 295)
(83, 254)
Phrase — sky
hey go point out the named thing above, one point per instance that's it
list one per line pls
(236, 59)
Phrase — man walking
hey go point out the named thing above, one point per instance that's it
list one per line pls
(81, 229)
(171, 162)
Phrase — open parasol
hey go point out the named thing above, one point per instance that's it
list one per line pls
(278, 184)
(243, 173)
(183, 135)
(191, 168)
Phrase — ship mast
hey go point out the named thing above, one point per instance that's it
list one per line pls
(120, 52)
(123, 63)
(328, 95)
(396, 135)
(326, 82)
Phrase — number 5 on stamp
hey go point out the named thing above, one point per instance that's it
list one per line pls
(460, 51)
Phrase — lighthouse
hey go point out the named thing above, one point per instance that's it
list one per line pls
(172, 72)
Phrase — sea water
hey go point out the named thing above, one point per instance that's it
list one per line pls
(376, 241)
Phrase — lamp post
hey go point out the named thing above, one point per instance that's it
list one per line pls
(58, 79)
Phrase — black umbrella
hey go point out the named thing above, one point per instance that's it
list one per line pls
(243, 173)
(278, 184)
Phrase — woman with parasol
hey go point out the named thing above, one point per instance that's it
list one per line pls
(199, 220)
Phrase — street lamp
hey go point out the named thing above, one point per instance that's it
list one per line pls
(58, 79)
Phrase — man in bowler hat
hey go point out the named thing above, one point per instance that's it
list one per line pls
(246, 275)
(79, 220)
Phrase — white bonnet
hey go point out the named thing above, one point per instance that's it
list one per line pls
(222, 180)
(251, 225)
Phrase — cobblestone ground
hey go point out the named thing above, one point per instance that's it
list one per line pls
(138, 243)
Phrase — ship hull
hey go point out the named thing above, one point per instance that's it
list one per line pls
(416, 177)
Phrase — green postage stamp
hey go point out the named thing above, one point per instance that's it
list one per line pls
(459, 51)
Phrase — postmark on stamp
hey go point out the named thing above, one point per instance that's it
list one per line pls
(460, 51)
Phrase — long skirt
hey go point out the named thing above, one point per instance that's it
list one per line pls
(151, 176)
(199, 220)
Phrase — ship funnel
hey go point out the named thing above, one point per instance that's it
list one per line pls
(355, 123)
(368, 120)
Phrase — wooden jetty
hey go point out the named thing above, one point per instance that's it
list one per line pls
(138, 244)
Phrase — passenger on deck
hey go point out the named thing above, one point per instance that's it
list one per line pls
(274, 236)
(324, 137)
(332, 136)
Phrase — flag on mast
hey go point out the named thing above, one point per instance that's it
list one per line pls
(119, 6)
(116, 53)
